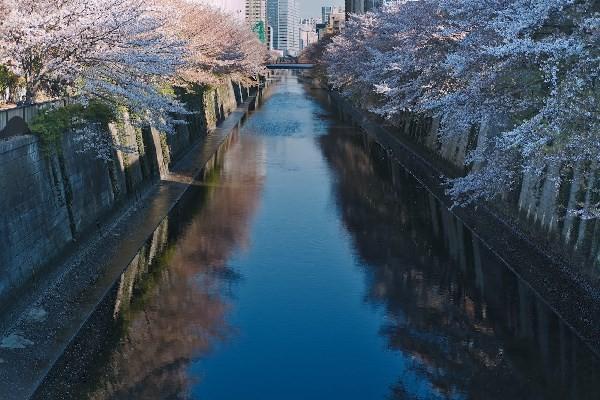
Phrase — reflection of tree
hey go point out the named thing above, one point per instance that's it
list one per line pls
(170, 300)
(471, 328)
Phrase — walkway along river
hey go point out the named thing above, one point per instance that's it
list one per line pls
(310, 266)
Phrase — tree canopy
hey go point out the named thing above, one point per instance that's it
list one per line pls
(525, 72)
(123, 52)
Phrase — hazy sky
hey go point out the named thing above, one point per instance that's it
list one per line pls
(312, 8)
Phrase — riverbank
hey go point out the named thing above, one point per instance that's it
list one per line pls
(559, 285)
(42, 325)
(310, 255)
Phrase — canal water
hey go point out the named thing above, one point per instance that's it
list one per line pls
(311, 266)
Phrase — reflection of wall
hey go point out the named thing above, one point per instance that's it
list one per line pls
(168, 307)
(470, 325)
(47, 201)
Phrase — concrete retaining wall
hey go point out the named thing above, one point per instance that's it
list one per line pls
(48, 200)
(538, 206)
(34, 221)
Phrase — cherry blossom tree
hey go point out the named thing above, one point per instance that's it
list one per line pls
(536, 79)
(108, 50)
(525, 72)
(123, 56)
(219, 47)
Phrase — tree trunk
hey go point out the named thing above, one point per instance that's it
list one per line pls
(29, 94)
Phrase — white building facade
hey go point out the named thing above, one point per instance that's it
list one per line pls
(308, 32)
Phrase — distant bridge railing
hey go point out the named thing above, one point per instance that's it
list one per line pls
(291, 66)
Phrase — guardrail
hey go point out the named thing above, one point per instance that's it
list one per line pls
(290, 66)
(27, 112)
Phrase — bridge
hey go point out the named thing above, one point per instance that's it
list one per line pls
(291, 66)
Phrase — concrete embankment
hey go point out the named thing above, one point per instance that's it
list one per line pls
(51, 199)
(44, 320)
(559, 284)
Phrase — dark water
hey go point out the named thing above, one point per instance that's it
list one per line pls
(309, 266)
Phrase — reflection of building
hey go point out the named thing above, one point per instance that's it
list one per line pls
(283, 17)
(256, 17)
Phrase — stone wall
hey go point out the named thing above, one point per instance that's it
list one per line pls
(34, 220)
(48, 201)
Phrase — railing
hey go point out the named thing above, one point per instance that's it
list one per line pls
(290, 66)
(27, 112)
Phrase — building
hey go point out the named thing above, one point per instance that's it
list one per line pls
(336, 21)
(325, 13)
(308, 32)
(256, 17)
(270, 37)
(321, 30)
(307, 38)
(284, 20)
(309, 21)
(362, 6)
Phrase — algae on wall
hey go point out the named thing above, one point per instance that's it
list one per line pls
(218, 102)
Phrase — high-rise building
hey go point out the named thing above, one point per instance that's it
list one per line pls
(362, 6)
(256, 17)
(284, 20)
(325, 13)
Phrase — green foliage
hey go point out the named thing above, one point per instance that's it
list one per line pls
(191, 95)
(51, 124)
(98, 112)
(259, 29)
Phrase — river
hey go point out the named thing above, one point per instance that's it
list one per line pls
(310, 266)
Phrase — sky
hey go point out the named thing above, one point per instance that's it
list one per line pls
(312, 8)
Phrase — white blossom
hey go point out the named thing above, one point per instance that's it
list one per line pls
(125, 53)
(532, 66)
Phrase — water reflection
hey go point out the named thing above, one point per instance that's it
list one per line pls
(310, 266)
(469, 325)
(171, 303)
